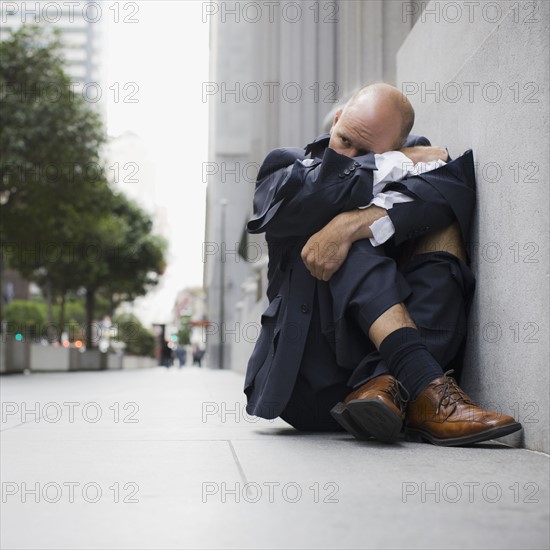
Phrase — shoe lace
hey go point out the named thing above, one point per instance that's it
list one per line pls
(451, 392)
(398, 394)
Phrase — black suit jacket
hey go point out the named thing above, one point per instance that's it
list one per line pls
(294, 200)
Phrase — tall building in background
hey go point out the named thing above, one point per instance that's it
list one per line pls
(80, 25)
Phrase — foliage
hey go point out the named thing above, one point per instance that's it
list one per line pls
(61, 225)
(134, 257)
(26, 317)
(52, 186)
(30, 317)
(184, 331)
(51, 182)
(138, 340)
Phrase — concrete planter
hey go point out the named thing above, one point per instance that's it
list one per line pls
(16, 356)
(115, 361)
(49, 358)
(91, 359)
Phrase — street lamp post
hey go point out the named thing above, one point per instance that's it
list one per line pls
(223, 204)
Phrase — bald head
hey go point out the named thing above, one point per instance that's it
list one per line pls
(387, 103)
(377, 118)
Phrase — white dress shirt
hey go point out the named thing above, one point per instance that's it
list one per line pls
(392, 166)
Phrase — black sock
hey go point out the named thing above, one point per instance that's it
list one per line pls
(409, 360)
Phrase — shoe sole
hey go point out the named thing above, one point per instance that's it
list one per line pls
(421, 436)
(375, 418)
(344, 418)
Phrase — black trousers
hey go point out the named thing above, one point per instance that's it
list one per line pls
(435, 287)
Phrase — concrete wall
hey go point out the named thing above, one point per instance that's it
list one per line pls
(478, 78)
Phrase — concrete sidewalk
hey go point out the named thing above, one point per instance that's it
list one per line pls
(162, 458)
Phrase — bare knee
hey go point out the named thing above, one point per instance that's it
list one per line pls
(448, 240)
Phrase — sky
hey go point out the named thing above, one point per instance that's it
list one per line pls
(157, 54)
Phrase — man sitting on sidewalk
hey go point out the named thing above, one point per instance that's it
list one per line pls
(368, 282)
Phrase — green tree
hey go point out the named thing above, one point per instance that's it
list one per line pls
(135, 264)
(137, 339)
(132, 258)
(26, 317)
(61, 225)
(52, 185)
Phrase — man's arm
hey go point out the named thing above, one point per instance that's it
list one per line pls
(325, 251)
(392, 167)
(300, 199)
(444, 195)
(296, 196)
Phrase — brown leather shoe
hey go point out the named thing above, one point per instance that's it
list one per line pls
(444, 415)
(375, 409)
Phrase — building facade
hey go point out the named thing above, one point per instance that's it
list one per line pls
(80, 25)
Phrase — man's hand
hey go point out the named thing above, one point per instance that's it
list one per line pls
(326, 250)
(425, 154)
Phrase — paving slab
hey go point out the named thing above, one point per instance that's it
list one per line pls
(168, 458)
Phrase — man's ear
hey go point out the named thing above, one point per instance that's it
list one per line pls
(337, 116)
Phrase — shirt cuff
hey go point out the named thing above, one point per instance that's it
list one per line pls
(387, 199)
(391, 166)
(382, 230)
